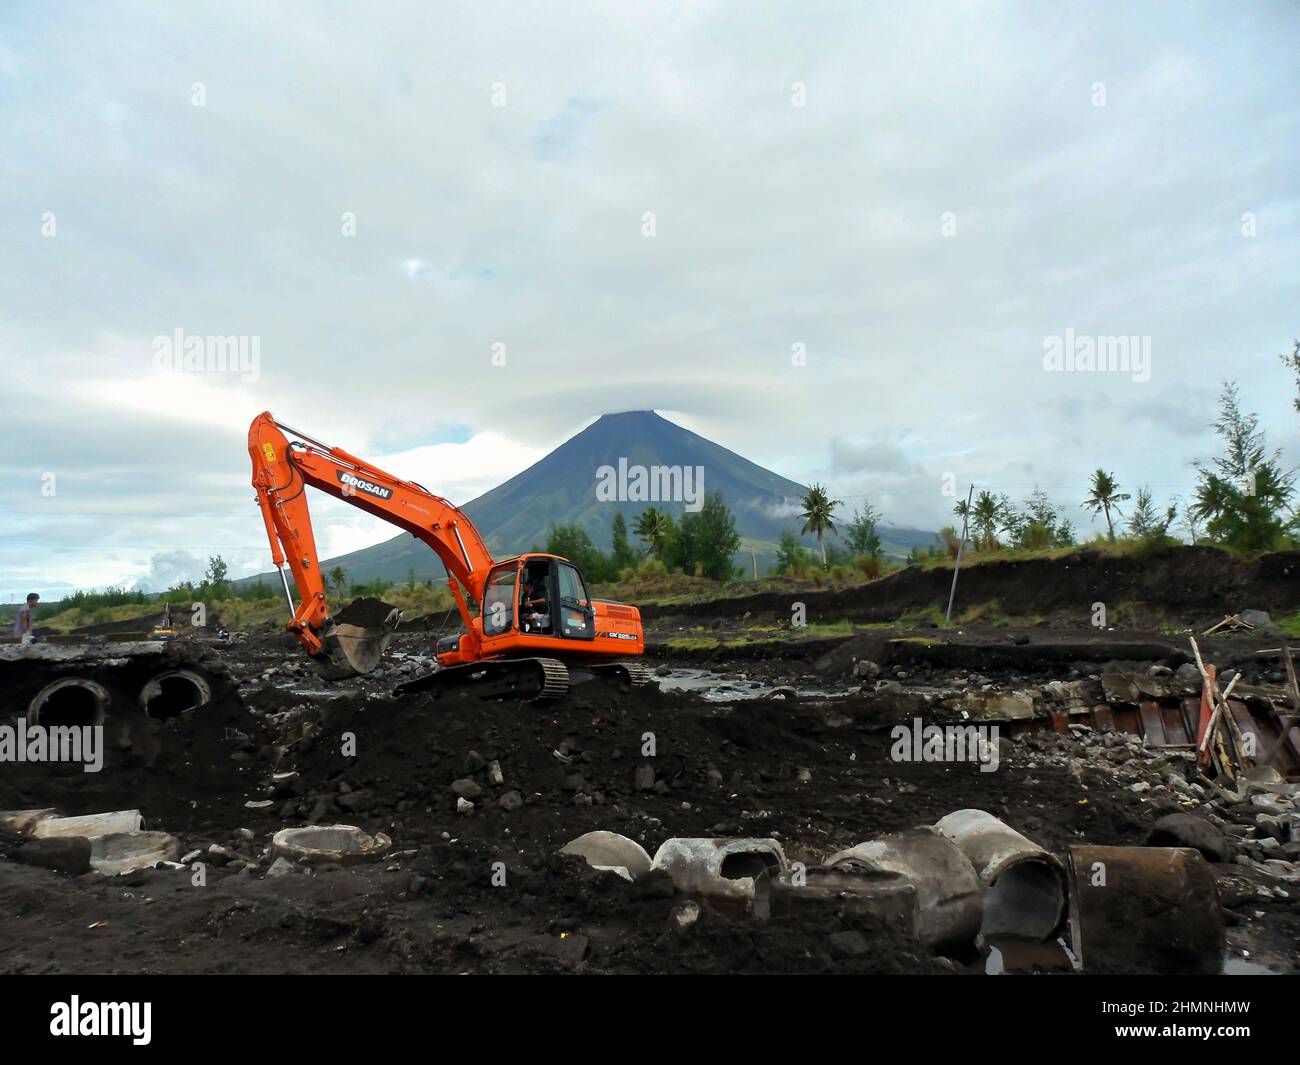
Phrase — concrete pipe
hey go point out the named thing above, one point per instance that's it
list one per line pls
(1024, 894)
(949, 894)
(608, 851)
(737, 870)
(173, 693)
(338, 844)
(69, 701)
(1145, 909)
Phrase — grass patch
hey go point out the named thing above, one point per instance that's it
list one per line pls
(1289, 624)
(693, 643)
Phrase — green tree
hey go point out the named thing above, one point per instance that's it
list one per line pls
(716, 540)
(216, 578)
(1105, 496)
(1040, 525)
(655, 529)
(988, 514)
(621, 554)
(1292, 362)
(862, 536)
(338, 579)
(573, 543)
(818, 515)
(791, 557)
(1243, 494)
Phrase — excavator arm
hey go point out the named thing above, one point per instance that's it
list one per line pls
(283, 470)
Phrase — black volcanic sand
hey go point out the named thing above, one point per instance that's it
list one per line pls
(433, 906)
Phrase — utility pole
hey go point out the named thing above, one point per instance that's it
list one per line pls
(961, 547)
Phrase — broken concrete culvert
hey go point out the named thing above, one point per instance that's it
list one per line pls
(1024, 885)
(949, 895)
(319, 844)
(69, 701)
(79, 684)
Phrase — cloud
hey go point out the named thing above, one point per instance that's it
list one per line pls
(479, 231)
(877, 456)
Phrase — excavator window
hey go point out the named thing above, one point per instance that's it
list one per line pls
(576, 620)
(499, 601)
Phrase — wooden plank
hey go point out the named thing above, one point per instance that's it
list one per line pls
(1249, 727)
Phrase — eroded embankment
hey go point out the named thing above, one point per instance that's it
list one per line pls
(1181, 584)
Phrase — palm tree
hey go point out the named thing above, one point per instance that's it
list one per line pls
(653, 528)
(985, 517)
(818, 510)
(1105, 497)
(338, 578)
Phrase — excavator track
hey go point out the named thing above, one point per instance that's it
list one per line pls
(632, 674)
(534, 680)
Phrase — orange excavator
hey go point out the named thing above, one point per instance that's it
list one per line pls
(530, 627)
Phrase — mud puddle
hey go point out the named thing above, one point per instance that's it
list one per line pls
(729, 688)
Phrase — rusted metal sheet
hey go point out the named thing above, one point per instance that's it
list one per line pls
(1176, 732)
(1103, 719)
(1153, 726)
(1126, 720)
(1144, 909)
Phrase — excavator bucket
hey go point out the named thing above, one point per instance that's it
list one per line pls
(354, 640)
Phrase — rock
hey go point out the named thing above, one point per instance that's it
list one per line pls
(280, 867)
(63, 854)
(465, 788)
(644, 778)
(495, 777)
(219, 855)
(510, 802)
(1188, 830)
(474, 762)
(848, 945)
(684, 915)
(464, 806)
(866, 669)
(356, 801)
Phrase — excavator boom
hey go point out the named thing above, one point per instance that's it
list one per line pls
(283, 470)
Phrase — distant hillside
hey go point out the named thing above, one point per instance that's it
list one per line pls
(561, 489)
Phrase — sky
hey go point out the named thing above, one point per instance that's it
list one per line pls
(837, 238)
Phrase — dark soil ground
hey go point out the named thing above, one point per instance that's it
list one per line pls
(487, 892)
